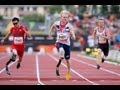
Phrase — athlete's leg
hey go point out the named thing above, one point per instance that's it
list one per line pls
(20, 56)
(57, 67)
(68, 66)
(60, 49)
(19, 62)
(61, 57)
(61, 52)
(7, 70)
(67, 58)
(12, 59)
(105, 52)
(99, 58)
(14, 55)
(68, 69)
(59, 62)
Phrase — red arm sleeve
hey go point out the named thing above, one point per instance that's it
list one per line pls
(24, 28)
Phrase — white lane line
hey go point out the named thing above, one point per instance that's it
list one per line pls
(8, 66)
(74, 71)
(91, 58)
(109, 71)
(37, 70)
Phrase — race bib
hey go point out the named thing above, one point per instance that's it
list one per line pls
(18, 40)
(102, 40)
(62, 37)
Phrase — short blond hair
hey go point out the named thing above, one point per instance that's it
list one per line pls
(65, 12)
(100, 18)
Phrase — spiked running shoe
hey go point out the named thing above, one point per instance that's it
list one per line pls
(67, 76)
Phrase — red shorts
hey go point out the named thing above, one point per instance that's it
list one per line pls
(20, 50)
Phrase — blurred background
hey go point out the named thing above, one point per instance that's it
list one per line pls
(39, 18)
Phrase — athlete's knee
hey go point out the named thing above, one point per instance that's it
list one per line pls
(99, 51)
(61, 51)
(14, 51)
(67, 60)
(68, 63)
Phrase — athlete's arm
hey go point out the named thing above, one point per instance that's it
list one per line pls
(107, 36)
(27, 32)
(94, 34)
(72, 33)
(51, 29)
(7, 35)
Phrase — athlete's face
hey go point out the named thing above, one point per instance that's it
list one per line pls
(101, 23)
(64, 17)
(15, 23)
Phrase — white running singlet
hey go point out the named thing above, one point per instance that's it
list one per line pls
(63, 35)
(100, 34)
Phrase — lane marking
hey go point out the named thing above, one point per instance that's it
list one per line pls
(74, 71)
(109, 71)
(38, 71)
(91, 58)
(8, 66)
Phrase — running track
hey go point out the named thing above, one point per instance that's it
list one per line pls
(39, 69)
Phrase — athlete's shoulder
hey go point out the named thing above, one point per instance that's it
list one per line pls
(69, 25)
(12, 28)
(24, 27)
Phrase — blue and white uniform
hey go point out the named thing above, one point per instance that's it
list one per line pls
(63, 38)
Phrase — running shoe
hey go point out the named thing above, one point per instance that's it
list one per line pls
(67, 76)
(98, 66)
